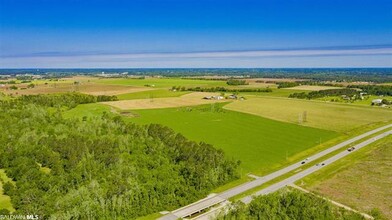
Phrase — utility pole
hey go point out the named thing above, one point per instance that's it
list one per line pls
(300, 118)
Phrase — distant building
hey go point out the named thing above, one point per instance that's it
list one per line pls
(232, 96)
(344, 97)
(362, 94)
(377, 101)
(218, 97)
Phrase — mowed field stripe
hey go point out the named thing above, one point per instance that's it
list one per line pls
(329, 116)
(258, 142)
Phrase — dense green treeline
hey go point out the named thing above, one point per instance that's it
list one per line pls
(287, 204)
(223, 89)
(236, 82)
(100, 167)
(324, 93)
(282, 85)
(374, 89)
(70, 100)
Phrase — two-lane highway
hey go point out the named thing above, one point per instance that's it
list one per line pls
(211, 201)
(313, 169)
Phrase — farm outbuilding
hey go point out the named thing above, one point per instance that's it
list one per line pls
(232, 96)
(376, 101)
(218, 97)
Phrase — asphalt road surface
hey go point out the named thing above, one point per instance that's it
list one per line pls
(211, 201)
(313, 169)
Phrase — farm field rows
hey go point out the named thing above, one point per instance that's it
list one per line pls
(155, 93)
(170, 82)
(161, 82)
(195, 98)
(256, 147)
(330, 116)
(275, 93)
(85, 87)
(361, 181)
(258, 142)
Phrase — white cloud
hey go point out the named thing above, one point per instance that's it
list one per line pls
(366, 57)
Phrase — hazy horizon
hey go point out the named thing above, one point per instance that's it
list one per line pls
(195, 34)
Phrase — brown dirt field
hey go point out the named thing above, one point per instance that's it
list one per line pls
(350, 83)
(195, 98)
(87, 88)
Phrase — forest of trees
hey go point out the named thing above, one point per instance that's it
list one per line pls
(324, 93)
(70, 100)
(288, 204)
(7, 82)
(101, 167)
(282, 85)
(236, 82)
(374, 89)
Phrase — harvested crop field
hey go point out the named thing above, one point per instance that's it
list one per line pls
(155, 93)
(330, 116)
(87, 88)
(161, 82)
(195, 98)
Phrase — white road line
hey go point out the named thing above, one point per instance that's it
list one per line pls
(211, 201)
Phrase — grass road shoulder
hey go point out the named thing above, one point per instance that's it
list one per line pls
(360, 180)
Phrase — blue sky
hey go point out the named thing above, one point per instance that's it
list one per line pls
(195, 33)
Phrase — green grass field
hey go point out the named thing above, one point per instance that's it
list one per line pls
(365, 175)
(275, 92)
(150, 217)
(368, 101)
(5, 201)
(88, 110)
(365, 102)
(339, 117)
(258, 142)
(157, 93)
